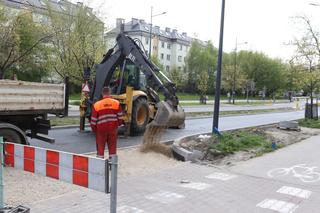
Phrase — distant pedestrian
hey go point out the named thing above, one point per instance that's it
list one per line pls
(105, 118)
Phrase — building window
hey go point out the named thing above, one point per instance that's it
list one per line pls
(147, 52)
(147, 40)
(179, 68)
(180, 46)
(167, 68)
(162, 44)
(168, 57)
(154, 48)
(162, 56)
(179, 58)
(168, 46)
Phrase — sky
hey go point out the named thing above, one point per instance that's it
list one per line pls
(264, 25)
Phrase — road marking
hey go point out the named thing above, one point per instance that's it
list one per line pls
(165, 197)
(301, 171)
(196, 185)
(278, 205)
(129, 209)
(221, 176)
(295, 192)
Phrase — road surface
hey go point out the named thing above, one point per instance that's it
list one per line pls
(71, 140)
(74, 110)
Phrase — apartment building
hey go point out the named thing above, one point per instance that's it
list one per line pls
(170, 46)
(39, 8)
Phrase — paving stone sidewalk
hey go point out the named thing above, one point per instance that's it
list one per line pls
(186, 188)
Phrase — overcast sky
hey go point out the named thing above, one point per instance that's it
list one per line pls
(265, 24)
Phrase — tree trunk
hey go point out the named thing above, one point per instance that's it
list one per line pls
(1, 73)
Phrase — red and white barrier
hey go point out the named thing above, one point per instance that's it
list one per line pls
(77, 169)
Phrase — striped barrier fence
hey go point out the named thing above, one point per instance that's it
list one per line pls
(82, 170)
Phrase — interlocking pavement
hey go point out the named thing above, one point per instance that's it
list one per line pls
(198, 188)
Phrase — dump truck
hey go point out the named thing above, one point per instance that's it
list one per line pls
(136, 82)
(24, 109)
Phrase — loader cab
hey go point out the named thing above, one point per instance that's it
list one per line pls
(131, 76)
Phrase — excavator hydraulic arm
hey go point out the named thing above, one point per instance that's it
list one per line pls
(169, 113)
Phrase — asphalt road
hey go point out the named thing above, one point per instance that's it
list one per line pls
(74, 110)
(71, 140)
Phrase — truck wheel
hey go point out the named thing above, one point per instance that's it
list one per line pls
(140, 116)
(10, 135)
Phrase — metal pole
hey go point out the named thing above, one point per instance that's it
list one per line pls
(150, 34)
(114, 179)
(1, 175)
(218, 77)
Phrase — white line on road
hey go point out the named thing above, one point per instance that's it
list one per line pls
(221, 176)
(295, 192)
(278, 205)
(129, 209)
(164, 197)
(196, 185)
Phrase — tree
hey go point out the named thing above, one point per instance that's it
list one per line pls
(203, 85)
(178, 78)
(77, 42)
(21, 46)
(306, 61)
(201, 58)
(233, 78)
(265, 72)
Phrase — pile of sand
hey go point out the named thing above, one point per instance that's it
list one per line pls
(132, 163)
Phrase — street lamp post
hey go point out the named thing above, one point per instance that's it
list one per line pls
(218, 76)
(235, 70)
(150, 30)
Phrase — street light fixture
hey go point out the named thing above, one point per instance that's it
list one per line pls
(150, 30)
(235, 69)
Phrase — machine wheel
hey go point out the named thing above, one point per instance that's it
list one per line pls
(10, 135)
(140, 116)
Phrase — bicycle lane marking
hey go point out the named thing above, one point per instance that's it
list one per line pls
(300, 171)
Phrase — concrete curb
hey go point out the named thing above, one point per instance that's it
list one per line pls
(181, 153)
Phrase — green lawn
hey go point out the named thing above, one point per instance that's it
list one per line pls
(310, 123)
(240, 140)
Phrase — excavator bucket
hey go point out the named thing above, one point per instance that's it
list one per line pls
(168, 116)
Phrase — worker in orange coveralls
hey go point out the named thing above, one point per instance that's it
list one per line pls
(105, 118)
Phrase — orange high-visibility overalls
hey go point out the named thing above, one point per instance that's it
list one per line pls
(105, 118)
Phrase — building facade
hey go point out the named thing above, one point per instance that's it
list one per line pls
(169, 46)
(39, 8)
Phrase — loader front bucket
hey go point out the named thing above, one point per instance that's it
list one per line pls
(168, 116)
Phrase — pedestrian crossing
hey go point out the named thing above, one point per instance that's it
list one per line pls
(282, 206)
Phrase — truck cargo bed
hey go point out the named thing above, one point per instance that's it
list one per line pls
(20, 97)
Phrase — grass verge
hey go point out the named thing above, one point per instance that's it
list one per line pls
(310, 123)
(231, 142)
(238, 112)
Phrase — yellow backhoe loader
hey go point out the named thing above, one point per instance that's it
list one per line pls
(135, 81)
